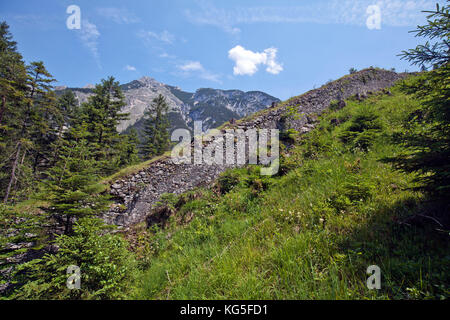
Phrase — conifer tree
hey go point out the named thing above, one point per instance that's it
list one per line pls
(426, 134)
(108, 268)
(438, 30)
(72, 188)
(128, 149)
(13, 78)
(156, 128)
(102, 115)
(12, 74)
(35, 134)
(46, 117)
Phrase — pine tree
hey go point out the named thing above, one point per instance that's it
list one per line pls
(102, 115)
(13, 79)
(128, 149)
(72, 188)
(33, 139)
(156, 128)
(426, 134)
(12, 74)
(437, 29)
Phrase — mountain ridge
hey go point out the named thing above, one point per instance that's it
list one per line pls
(211, 106)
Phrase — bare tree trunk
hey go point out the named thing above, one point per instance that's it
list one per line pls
(13, 173)
(2, 110)
(18, 170)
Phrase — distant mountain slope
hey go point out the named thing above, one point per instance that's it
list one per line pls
(212, 106)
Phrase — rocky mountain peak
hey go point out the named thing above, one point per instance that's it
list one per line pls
(212, 106)
(149, 81)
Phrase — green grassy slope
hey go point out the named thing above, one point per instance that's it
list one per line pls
(309, 233)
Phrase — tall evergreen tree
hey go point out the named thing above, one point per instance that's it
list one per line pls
(12, 74)
(72, 188)
(68, 107)
(102, 115)
(128, 149)
(426, 134)
(156, 128)
(46, 117)
(13, 80)
(36, 132)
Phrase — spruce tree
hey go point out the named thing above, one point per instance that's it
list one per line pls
(32, 137)
(46, 117)
(13, 75)
(426, 133)
(156, 128)
(437, 30)
(102, 115)
(13, 90)
(108, 268)
(128, 149)
(72, 188)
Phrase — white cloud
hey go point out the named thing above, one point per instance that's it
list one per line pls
(121, 16)
(192, 66)
(164, 36)
(247, 61)
(130, 68)
(396, 13)
(273, 67)
(195, 67)
(89, 35)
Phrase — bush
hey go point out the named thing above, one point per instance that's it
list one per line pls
(365, 127)
(227, 181)
(257, 182)
(316, 145)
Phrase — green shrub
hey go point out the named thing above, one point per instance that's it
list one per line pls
(363, 130)
(227, 181)
(257, 182)
(316, 145)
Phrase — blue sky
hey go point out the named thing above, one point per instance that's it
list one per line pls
(281, 47)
